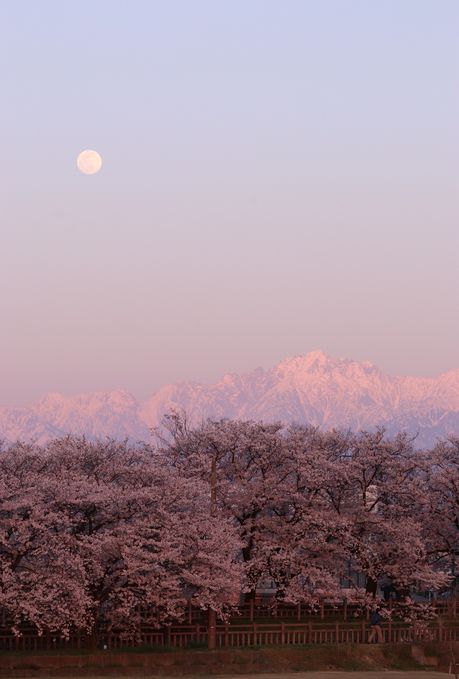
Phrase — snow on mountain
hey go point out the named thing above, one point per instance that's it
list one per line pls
(100, 414)
(323, 391)
(21, 423)
(316, 388)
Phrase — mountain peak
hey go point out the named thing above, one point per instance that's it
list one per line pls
(317, 357)
(314, 361)
(319, 362)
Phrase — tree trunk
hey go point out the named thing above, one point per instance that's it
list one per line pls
(371, 586)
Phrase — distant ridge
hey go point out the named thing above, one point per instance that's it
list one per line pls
(315, 388)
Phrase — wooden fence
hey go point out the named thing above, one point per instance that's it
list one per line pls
(298, 634)
(237, 636)
(256, 611)
(257, 624)
(263, 612)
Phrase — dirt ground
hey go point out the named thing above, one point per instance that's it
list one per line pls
(387, 674)
(376, 674)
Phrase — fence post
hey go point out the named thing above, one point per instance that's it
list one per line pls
(211, 629)
(363, 633)
(226, 635)
(254, 634)
(337, 632)
(282, 633)
(389, 631)
(310, 632)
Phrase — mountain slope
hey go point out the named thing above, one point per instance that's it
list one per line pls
(318, 389)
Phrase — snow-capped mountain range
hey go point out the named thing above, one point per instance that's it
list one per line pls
(316, 388)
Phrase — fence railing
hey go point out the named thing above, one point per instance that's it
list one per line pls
(254, 611)
(237, 636)
(259, 611)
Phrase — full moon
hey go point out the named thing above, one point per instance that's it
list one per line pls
(89, 162)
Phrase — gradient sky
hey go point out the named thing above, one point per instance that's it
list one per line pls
(279, 176)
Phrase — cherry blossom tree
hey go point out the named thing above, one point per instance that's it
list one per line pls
(42, 579)
(100, 536)
(139, 538)
(440, 511)
(251, 478)
(309, 504)
(379, 489)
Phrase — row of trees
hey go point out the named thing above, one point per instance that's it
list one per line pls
(111, 534)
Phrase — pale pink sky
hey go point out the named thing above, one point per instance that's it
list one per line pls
(278, 177)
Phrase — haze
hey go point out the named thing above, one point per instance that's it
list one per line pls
(278, 177)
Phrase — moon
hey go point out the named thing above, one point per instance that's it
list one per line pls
(89, 162)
